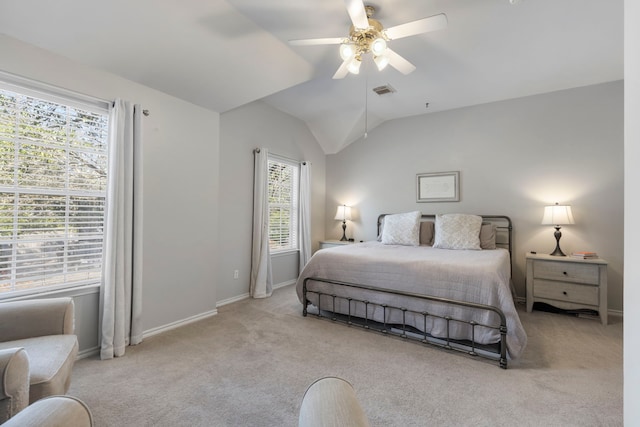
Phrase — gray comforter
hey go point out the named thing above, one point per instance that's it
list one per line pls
(466, 275)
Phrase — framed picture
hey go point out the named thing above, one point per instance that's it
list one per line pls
(438, 187)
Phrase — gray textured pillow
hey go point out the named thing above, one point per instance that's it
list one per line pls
(427, 229)
(488, 236)
(402, 229)
(380, 230)
(457, 231)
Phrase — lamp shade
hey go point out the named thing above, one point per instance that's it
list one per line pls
(343, 213)
(557, 215)
(381, 61)
(378, 46)
(347, 51)
(354, 65)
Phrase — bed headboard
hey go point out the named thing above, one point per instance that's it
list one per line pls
(504, 230)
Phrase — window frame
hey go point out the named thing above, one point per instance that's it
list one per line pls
(85, 104)
(294, 206)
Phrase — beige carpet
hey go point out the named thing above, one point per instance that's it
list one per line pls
(250, 365)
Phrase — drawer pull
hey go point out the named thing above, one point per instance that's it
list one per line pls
(564, 292)
(564, 272)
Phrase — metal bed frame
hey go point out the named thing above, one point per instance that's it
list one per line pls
(470, 347)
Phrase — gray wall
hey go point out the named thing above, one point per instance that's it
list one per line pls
(180, 179)
(514, 158)
(241, 130)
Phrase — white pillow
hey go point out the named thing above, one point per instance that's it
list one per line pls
(457, 231)
(402, 229)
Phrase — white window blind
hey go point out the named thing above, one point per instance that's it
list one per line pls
(283, 205)
(53, 177)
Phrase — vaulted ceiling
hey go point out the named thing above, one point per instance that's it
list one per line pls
(222, 54)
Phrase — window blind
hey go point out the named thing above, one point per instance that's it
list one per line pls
(53, 178)
(283, 205)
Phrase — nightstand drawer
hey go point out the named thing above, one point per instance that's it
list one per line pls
(568, 292)
(567, 272)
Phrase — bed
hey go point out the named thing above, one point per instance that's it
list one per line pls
(443, 280)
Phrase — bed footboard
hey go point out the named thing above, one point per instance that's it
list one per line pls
(470, 347)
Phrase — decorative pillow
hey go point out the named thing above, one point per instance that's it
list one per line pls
(488, 236)
(381, 229)
(426, 233)
(457, 231)
(402, 229)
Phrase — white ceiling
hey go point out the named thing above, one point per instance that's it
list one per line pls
(221, 54)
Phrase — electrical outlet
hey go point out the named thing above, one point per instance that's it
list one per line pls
(235, 274)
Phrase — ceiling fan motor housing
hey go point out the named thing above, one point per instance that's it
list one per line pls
(363, 38)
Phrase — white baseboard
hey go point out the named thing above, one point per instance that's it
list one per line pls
(155, 331)
(232, 299)
(283, 284)
(88, 353)
(615, 313)
(177, 324)
(246, 295)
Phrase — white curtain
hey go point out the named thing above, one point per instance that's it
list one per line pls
(120, 294)
(305, 213)
(261, 280)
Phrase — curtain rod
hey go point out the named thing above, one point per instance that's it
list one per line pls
(278, 156)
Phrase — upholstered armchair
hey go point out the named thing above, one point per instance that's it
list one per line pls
(36, 335)
(53, 411)
(329, 402)
(14, 382)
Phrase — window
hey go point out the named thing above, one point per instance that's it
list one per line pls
(53, 164)
(283, 205)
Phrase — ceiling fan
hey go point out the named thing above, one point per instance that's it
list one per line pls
(368, 35)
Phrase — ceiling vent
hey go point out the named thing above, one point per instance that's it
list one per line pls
(384, 90)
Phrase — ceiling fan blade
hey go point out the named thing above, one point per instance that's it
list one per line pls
(432, 23)
(355, 9)
(313, 42)
(399, 63)
(343, 70)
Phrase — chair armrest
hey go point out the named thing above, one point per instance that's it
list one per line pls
(14, 382)
(331, 401)
(36, 318)
(53, 411)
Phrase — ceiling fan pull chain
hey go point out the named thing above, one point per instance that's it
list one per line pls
(366, 103)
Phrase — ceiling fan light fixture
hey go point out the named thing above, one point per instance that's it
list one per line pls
(347, 51)
(378, 46)
(354, 65)
(381, 61)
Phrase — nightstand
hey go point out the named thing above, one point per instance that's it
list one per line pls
(567, 283)
(333, 243)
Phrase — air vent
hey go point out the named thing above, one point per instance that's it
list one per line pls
(383, 90)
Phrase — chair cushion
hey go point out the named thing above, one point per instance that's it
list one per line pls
(51, 360)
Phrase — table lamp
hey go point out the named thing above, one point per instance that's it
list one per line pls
(557, 215)
(343, 214)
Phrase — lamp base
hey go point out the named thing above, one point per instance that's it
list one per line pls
(557, 252)
(557, 235)
(344, 232)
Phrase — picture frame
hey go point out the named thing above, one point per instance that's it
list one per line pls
(438, 187)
